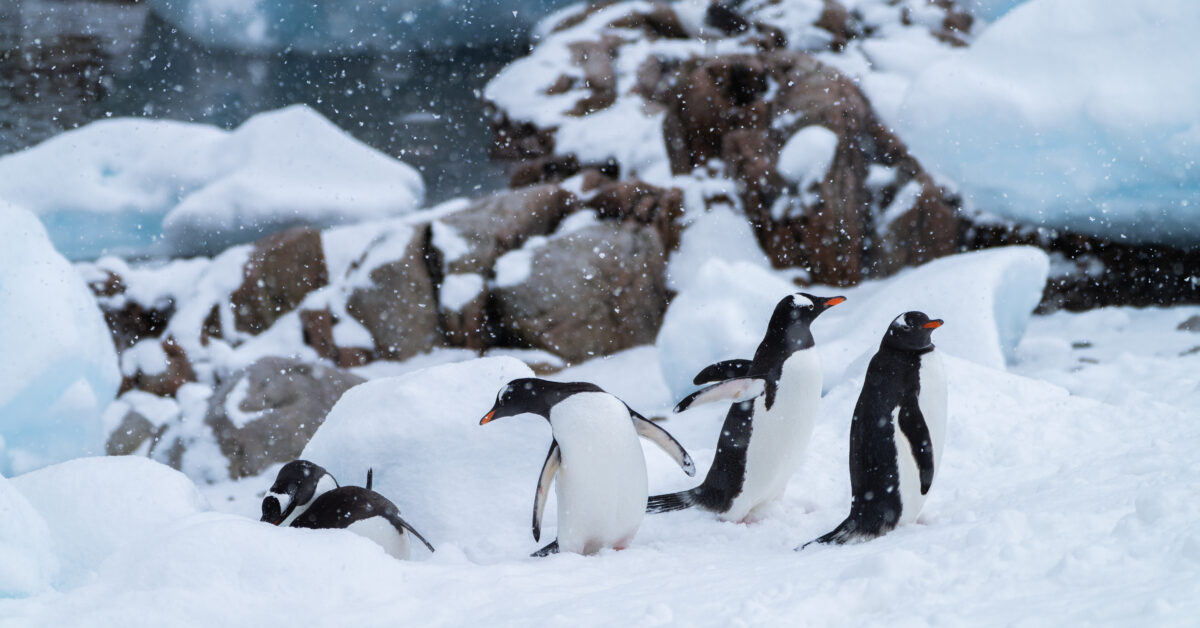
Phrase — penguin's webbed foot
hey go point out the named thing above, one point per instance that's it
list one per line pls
(546, 551)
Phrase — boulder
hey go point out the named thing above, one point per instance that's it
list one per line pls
(175, 372)
(640, 202)
(397, 300)
(590, 292)
(266, 413)
(283, 268)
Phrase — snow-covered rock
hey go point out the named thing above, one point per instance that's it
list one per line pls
(59, 367)
(330, 26)
(136, 186)
(1066, 117)
(421, 434)
(27, 554)
(97, 506)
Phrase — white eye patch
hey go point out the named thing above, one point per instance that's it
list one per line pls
(800, 300)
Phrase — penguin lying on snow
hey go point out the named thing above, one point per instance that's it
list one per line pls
(596, 456)
(769, 425)
(897, 433)
(306, 496)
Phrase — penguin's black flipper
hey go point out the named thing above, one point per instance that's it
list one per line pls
(847, 532)
(734, 390)
(650, 431)
(546, 551)
(721, 371)
(399, 522)
(672, 501)
(913, 425)
(549, 469)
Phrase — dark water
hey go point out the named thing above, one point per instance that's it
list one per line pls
(65, 63)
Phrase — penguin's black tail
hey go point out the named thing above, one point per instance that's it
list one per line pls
(673, 501)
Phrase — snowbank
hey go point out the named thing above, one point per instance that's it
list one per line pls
(1066, 117)
(59, 367)
(134, 186)
(421, 434)
(331, 26)
(986, 299)
(97, 506)
(27, 558)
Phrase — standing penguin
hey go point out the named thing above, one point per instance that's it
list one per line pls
(897, 433)
(771, 420)
(596, 456)
(305, 495)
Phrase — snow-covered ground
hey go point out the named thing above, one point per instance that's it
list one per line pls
(1067, 496)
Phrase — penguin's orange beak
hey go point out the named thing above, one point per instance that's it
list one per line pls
(932, 324)
(834, 301)
(487, 418)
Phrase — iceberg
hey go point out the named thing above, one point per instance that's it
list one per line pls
(155, 187)
(1065, 117)
(27, 557)
(60, 367)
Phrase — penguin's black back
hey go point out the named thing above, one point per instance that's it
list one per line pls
(345, 505)
(893, 381)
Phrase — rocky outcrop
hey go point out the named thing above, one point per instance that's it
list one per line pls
(266, 413)
(283, 268)
(398, 304)
(590, 292)
(164, 381)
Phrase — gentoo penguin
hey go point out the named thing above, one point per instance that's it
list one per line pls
(771, 420)
(897, 433)
(314, 500)
(596, 456)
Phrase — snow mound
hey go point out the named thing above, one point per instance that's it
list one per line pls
(331, 26)
(421, 434)
(60, 368)
(27, 558)
(133, 186)
(96, 506)
(986, 299)
(1066, 117)
(721, 314)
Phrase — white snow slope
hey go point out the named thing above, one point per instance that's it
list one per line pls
(1067, 496)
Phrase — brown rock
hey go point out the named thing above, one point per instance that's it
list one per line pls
(643, 203)
(501, 222)
(399, 308)
(595, 59)
(591, 292)
(283, 268)
(134, 431)
(176, 372)
(277, 405)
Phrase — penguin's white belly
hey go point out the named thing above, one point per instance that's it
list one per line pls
(380, 530)
(601, 484)
(779, 436)
(932, 401)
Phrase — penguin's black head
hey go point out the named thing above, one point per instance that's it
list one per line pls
(911, 331)
(297, 484)
(795, 312)
(533, 395)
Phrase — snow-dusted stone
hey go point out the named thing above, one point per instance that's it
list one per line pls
(583, 293)
(28, 562)
(156, 366)
(266, 413)
(137, 186)
(283, 268)
(59, 368)
(470, 240)
(1064, 117)
(986, 299)
(456, 481)
(393, 296)
(97, 506)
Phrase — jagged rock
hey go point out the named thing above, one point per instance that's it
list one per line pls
(399, 307)
(498, 223)
(643, 203)
(133, 431)
(722, 108)
(590, 292)
(266, 413)
(176, 372)
(283, 268)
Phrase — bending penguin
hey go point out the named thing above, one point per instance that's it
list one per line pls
(305, 495)
(768, 426)
(596, 456)
(897, 433)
